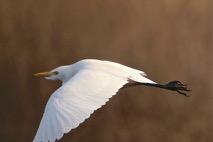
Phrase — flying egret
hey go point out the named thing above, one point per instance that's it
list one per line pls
(86, 86)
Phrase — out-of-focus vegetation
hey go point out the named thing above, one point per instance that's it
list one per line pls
(168, 39)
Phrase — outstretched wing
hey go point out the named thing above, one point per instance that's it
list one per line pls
(75, 101)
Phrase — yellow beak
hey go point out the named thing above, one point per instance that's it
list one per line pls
(42, 74)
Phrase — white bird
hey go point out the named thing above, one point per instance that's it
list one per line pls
(86, 86)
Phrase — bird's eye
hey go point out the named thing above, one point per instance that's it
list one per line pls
(56, 72)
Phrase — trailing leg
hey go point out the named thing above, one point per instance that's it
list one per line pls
(173, 86)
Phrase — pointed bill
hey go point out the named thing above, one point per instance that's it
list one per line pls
(42, 74)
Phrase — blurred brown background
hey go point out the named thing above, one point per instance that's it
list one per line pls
(168, 39)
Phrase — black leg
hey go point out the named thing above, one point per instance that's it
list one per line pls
(173, 86)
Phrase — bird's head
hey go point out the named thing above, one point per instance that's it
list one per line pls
(55, 74)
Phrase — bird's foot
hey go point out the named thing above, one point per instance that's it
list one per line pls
(178, 87)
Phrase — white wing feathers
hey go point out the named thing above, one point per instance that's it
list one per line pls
(125, 71)
(75, 101)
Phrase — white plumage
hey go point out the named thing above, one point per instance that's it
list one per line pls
(87, 85)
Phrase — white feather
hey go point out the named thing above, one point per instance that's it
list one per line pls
(91, 85)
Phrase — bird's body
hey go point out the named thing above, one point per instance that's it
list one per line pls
(95, 65)
(87, 85)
